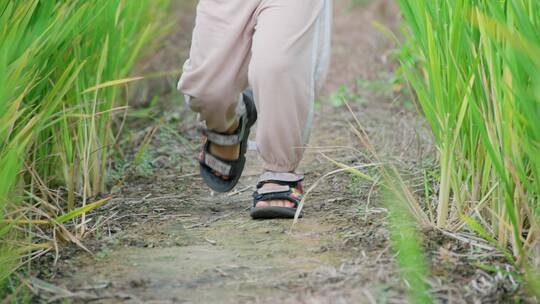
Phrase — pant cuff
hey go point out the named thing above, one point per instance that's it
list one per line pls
(280, 168)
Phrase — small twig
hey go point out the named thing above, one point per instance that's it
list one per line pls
(128, 215)
(165, 197)
(221, 272)
(169, 216)
(96, 287)
(236, 192)
(381, 253)
(210, 221)
(468, 241)
(211, 242)
(141, 200)
(181, 176)
(371, 190)
(100, 224)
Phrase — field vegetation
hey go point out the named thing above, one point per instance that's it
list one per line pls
(473, 66)
(61, 109)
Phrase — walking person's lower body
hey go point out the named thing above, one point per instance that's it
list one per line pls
(280, 49)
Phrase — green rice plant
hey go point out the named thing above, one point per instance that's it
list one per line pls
(476, 81)
(444, 86)
(406, 243)
(512, 139)
(60, 66)
(405, 213)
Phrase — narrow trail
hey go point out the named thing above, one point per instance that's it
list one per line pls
(168, 239)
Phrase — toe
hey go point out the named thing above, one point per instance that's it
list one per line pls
(283, 203)
(288, 204)
(276, 203)
(280, 203)
(223, 177)
(262, 204)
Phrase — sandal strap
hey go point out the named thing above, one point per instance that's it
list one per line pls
(292, 195)
(217, 165)
(275, 189)
(223, 139)
(290, 188)
(221, 166)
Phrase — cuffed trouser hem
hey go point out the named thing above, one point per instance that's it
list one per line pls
(220, 123)
(279, 168)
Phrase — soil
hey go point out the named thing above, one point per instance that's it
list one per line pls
(166, 238)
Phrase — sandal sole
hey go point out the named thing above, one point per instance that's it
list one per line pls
(273, 212)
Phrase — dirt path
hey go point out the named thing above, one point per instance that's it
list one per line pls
(167, 239)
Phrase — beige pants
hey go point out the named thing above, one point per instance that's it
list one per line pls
(280, 48)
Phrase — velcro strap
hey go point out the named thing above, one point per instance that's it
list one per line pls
(278, 192)
(222, 139)
(229, 139)
(217, 165)
(274, 189)
(284, 195)
(280, 176)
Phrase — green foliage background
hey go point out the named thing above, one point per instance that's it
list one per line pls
(57, 125)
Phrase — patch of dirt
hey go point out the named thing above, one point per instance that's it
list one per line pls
(165, 238)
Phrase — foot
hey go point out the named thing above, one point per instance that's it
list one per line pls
(226, 152)
(274, 203)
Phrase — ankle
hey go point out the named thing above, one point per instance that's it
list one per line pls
(233, 128)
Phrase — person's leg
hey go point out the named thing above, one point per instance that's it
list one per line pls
(289, 58)
(216, 72)
(283, 73)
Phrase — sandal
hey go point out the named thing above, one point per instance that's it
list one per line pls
(290, 189)
(230, 170)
